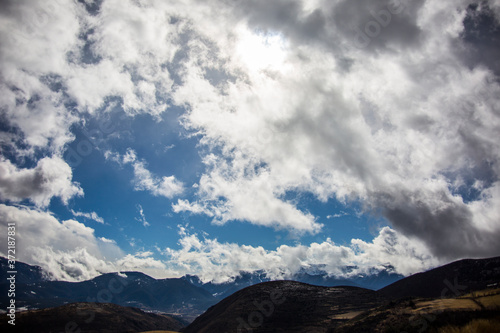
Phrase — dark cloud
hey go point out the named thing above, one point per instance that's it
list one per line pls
(445, 224)
(51, 177)
(359, 24)
(378, 25)
(481, 37)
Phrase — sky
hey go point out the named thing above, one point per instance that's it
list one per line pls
(212, 137)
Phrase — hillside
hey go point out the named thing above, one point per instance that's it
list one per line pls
(91, 318)
(475, 312)
(284, 306)
(306, 308)
(450, 280)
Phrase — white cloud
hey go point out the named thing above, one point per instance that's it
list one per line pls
(90, 216)
(403, 125)
(105, 240)
(139, 261)
(52, 177)
(165, 186)
(35, 46)
(142, 217)
(247, 196)
(144, 254)
(219, 262)
(392, 125)
(336, 216)
(194, 208)
(144, 180)
(68, 250)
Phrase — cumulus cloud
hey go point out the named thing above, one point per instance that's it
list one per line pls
(52, 177)
(403, 125)
(219, 262)
(165, 186)
(67, 250)
(393, 104)
(139, 261)
(248, 195)
(33, 52)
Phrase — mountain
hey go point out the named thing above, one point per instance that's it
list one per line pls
(475, 312)
(377, 280)
(91, 317)
(315, 276)
(450, 280)
(373, 281)
(126, 289)
(283, 306)
(25, 273)
(249, 294)
(187, 296)
(222, 290)
(434, 298)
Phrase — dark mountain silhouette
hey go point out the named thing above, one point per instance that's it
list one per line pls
(25, 273)
(282, 306)
(126, 289)
(475, 312)
(91, 317)
(450, 280)
(287, 306)
(316, 277)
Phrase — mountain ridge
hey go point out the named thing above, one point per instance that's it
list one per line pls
(286, 306)
(187, 295)
(324, 309)
(91, 318)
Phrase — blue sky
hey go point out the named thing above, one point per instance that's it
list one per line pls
(109, 192)
(210, 138)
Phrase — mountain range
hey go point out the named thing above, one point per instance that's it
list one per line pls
(436, 298)
(465, 292)
(188, 296)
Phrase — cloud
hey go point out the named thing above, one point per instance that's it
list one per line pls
(396, 125)
(51, 177)
(167, 187)
(90, 216)
(139, 261)
(248, 196)
(33, 52)
(142, 217)
(70, 251)
(105, 240)
(219, 262)
(67, 250)
(336, 216)
(406, 124)
(144, 180)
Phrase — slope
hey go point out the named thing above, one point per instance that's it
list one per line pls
(283, 306)
(91, 317)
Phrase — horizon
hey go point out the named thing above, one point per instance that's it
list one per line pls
(278, 278)
(212, 138)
